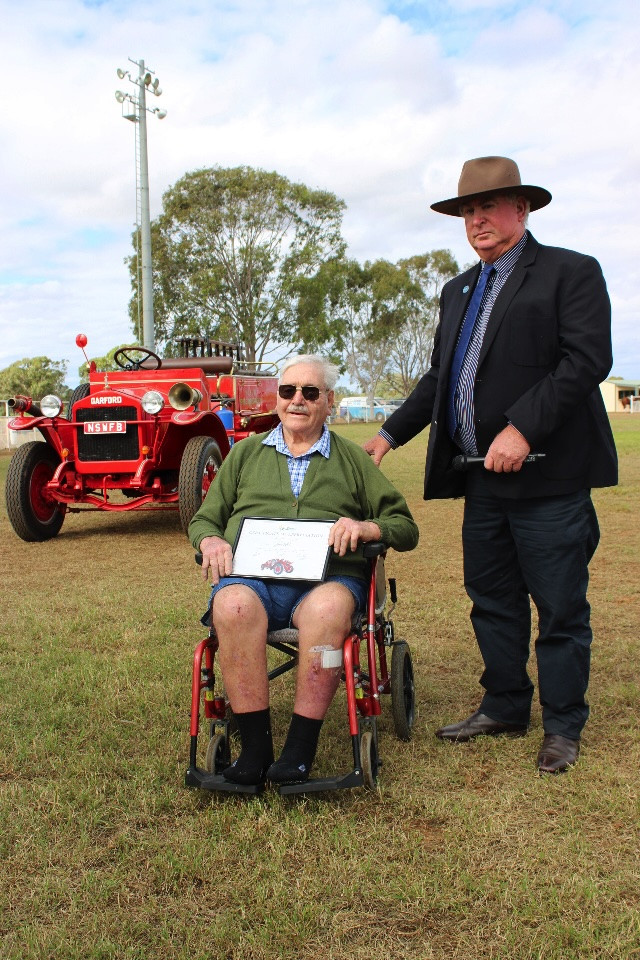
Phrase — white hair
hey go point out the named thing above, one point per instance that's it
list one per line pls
(330, 372)
(514, 197)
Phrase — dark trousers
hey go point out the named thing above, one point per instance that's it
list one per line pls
(537, 548)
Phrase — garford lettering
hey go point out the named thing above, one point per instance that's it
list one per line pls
(104, 401)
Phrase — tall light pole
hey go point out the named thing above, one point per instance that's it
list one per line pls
(137, 113)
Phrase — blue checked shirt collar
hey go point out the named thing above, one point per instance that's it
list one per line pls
(298, 465)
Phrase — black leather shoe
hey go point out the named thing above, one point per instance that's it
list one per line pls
(557, 753)
(480, 725)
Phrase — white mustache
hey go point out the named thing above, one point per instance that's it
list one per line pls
(297, 407)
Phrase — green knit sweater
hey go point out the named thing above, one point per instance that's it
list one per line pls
(254, 481)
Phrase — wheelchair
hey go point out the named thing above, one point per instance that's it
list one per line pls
(367, 680)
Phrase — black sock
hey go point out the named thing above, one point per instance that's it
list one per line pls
(257, 748)
(298, 753)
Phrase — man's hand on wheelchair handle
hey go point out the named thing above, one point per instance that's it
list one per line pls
(217, 557)
(347, 533)
(377, 447)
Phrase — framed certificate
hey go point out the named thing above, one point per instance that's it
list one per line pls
(282, 549)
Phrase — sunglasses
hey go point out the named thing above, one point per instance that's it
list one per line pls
(287, 391)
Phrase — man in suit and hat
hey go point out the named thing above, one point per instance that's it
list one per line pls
(523, 342)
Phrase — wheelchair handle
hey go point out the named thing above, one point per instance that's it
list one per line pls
(463, 461)
(198, 558)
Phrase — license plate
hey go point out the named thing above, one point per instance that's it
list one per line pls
(106, 426)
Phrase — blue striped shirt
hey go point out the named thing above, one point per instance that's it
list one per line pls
(298, 466)
(503, 266)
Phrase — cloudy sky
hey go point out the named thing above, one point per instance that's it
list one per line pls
(379, 101)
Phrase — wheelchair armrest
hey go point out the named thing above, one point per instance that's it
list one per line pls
(375, 548)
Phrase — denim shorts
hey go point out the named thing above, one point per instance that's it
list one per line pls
(280, 598)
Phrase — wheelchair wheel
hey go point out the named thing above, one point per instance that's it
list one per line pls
(369, 760)
(218, 755)
(403, 695)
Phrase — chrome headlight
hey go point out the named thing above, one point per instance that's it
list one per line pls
(152, 402)
(51, 405)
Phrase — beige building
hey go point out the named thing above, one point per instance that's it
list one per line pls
(615, 391)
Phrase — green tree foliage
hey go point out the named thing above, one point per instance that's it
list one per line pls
(375, 303)
(104, 364)
(243, 255)
(410, 352)
(34, 377)
(322, 310)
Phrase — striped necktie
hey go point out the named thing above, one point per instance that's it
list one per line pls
(472, 314)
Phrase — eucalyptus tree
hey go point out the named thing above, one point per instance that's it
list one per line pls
(375, 304)
(34, 377)
(411, 349)
(242, 254)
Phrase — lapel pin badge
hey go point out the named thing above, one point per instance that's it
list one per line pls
(465, 289)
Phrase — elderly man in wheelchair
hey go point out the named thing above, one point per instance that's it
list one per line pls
(300, 471)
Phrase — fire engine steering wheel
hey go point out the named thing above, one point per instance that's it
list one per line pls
(122, 355)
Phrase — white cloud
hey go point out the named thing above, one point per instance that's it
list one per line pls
(380, 102)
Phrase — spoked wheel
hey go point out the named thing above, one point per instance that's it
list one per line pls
(403, 693)
(34, 514)
(369, 760)
(218, 756)
(200, 463)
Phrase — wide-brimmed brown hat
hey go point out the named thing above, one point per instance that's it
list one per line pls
(486, 175)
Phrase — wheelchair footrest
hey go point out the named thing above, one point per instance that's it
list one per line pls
(353, 779)
(216, 783)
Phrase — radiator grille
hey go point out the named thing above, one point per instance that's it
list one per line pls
(108, 446)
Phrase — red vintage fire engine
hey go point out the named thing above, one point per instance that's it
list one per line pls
(150, 435)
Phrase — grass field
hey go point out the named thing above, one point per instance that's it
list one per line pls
(464, 854)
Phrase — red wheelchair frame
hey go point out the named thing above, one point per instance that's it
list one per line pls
(364, 689)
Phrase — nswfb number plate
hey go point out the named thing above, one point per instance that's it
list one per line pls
(106, 426)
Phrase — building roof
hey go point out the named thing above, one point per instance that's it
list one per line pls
(627, 384)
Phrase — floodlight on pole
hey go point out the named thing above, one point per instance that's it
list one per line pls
(137, 113)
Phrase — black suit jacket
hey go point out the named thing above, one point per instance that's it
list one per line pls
(546, 349)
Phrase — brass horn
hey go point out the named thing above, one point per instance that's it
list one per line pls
(182, 396)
